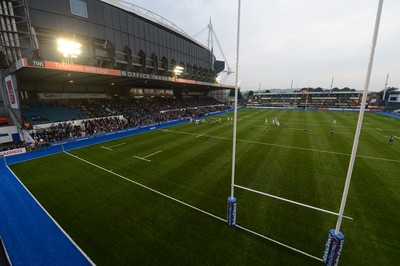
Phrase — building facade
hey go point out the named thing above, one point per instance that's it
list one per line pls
(112, 35)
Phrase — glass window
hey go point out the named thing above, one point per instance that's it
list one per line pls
(78, 7)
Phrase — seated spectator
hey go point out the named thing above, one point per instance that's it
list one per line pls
(135, 113)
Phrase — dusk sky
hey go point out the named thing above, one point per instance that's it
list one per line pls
(308, 41)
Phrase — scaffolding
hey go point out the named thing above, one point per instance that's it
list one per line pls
(16, 31)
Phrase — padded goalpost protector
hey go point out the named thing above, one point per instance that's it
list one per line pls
(333, 248)
(231, 211)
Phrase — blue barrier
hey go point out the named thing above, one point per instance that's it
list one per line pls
(391, 114)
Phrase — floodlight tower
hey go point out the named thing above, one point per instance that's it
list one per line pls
(210, 45)
(384, 91)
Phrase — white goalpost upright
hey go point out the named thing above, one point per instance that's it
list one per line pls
(335, 240)
(232, 200)
(334, 243)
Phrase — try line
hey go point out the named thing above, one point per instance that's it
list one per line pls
(195, 208)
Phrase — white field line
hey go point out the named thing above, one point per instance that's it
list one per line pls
(292, 128)
(318, 125)
(200, 135)
(292, 147)
(109, 147)
(116, 145)
(396, 137)
(379, 129)
(291, 201)
(154, 153)
(144, 158)
(375, 158)
(388, 129)
(344, 133)
(140, 158)
(54, 221)
(329, 125)
(279, 243)
(193, 207)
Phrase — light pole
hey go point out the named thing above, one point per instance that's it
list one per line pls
(384, 91)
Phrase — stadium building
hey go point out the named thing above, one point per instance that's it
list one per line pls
(72, 51)
(66, 61)
(393, 103)
(305, 99)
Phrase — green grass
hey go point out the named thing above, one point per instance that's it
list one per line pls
(118, 222)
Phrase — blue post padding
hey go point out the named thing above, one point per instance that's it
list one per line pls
(333, 248)
(231, 211)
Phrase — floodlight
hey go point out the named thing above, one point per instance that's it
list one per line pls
(70, 49)
(178, 70)
(218, 79)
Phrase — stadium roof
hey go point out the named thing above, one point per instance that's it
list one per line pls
(151, 16)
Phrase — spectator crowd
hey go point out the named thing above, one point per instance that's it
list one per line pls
(136, 113)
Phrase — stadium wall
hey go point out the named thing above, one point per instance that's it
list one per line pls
(9, 134)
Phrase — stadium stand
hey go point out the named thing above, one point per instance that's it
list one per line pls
(53, 122)
(50, 114)
(325, 99)
(106, 117)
